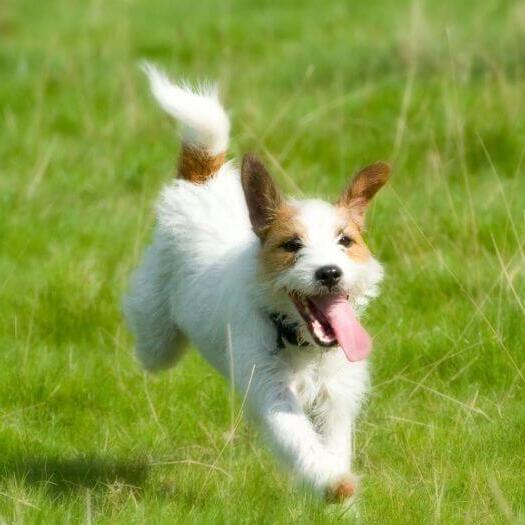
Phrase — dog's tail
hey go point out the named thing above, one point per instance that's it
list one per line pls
(205, 125)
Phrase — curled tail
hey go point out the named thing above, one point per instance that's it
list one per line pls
(205, 126)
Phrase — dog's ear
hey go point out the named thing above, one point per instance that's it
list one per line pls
(262, 196)
(363, 187)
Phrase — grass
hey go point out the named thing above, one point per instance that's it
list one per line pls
(436, 87)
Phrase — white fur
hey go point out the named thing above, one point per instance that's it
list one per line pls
(200, 278)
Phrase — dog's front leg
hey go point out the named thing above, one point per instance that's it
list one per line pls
(295, 440)
(337, 436)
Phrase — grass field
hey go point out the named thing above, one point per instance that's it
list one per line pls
(317, 90)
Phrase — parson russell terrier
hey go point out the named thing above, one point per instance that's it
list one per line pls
(266, 287)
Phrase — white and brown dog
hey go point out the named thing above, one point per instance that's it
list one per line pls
(267, 288)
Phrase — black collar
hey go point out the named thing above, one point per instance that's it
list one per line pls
(286, 331)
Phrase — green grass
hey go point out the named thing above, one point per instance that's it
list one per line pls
(318, 89)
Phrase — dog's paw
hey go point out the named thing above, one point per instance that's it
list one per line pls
(341, 490)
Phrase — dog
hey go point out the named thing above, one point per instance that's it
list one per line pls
(268, 288)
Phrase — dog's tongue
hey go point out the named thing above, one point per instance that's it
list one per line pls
(351, 336)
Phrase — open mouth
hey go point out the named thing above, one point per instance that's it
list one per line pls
(316, 321)
(331, 321)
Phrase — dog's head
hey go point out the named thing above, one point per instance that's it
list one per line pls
(314, 264)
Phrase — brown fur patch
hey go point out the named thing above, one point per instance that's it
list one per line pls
(262, 196)
(283, 227)
(367, 183)
(342, 490)
(362, 189)
(197, 165)
(358, 250)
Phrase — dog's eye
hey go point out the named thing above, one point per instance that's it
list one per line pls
(345, 241)
(292, 245)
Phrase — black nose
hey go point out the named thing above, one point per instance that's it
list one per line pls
(328, 275)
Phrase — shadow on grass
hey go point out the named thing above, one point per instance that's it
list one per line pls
(68, 475)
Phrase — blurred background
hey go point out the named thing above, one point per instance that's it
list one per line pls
(317, 90)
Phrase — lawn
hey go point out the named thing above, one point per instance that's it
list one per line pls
(317, 90)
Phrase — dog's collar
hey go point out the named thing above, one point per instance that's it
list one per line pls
(286, 332)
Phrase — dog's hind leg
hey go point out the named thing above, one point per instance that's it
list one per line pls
(159, 343)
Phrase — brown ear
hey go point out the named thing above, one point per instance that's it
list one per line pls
(363, 187)
(262, 196)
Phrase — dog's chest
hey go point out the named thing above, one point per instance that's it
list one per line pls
(312, 376)
(322, 380)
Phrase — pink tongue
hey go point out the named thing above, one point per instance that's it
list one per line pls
(351, 336)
